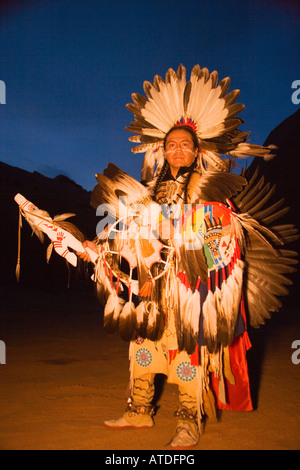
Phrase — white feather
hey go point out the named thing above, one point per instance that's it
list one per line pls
(194, 305)
(184, 296)
(127, 321)
(114, 305)
(140, 311)
(210, 319)
(154, 312)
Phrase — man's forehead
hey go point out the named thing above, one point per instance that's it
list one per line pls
(181, 137)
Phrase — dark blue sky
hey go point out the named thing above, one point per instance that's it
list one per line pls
(70, 67)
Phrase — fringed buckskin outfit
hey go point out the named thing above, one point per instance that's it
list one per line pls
(185, 311)
(191, 371)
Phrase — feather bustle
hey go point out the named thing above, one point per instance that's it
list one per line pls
(127, 322)
(112, 311)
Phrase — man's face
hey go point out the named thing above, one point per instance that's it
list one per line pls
(179, 150)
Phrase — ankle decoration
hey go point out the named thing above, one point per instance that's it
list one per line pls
(186, 415)
(133, 409)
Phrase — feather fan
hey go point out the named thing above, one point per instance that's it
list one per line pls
(217, 186)
(267, 263)
(113, 184)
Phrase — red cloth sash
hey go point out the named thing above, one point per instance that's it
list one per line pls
(238, 396)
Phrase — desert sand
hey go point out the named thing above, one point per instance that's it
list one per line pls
(64, 376)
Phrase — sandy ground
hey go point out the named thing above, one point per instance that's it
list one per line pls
(64, 376)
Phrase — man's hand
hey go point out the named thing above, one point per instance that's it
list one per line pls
(85, 255)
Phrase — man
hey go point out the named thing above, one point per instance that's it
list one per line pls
(162, 356)
(188, 321)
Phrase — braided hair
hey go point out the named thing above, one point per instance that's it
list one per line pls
(160, 177)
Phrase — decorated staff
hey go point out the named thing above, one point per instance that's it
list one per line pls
(61, 239)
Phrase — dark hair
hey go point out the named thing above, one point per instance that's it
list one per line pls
(184, 128)
(161, 175)
(166, 164)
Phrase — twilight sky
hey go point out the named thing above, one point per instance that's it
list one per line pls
(70, 67)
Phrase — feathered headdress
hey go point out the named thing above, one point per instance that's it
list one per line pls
(202, 104)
